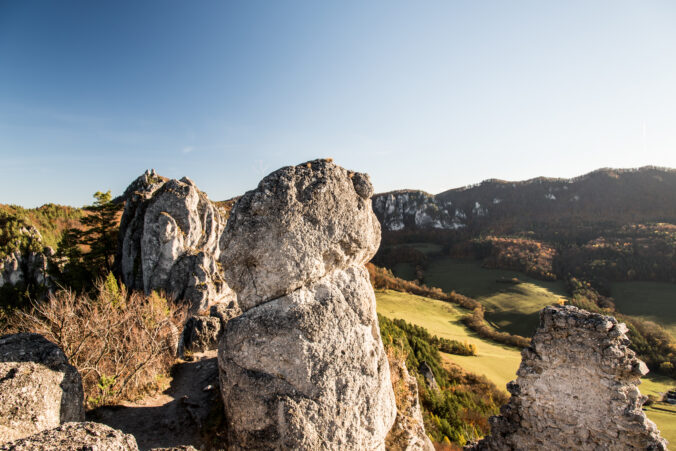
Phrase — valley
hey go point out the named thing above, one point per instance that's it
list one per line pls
(497, 362)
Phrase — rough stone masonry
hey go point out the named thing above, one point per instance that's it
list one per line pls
(304, 367)
(577, 388)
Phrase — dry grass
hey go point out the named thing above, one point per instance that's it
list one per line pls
(122, 344)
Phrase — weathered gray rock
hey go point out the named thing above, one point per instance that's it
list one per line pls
(427, 373)
(577, 388)
(38, 388)
(201, 333)
(301, 223)
(308, 370)
(27, 268)
(169, 236)
(409, 209)
(408, 432)
(304, 367)
(75, 437)
(225, 312)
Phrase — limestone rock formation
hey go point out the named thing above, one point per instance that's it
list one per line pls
(38, 388)
(169, 237)
(427, 373)
(304, 367)
(75, 437)
(577, 388)
(27, 266)
(410, 209)
(408, 432)
(300, 224)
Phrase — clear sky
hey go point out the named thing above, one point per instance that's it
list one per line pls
(419, 94)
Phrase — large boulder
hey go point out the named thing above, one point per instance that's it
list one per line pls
(304, 367)
(577, 388)
(300, 224)
(75, 437)
(38, 388)
(169, 236)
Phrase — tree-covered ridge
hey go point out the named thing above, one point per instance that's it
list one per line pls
(606, 196)
(16, 234)
(50, 220)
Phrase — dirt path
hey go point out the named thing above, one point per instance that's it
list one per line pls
(176, 417)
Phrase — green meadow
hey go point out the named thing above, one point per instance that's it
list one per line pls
(497, 362)
(510, 307)
(653, 301)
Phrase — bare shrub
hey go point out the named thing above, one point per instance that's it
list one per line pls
(122, 344)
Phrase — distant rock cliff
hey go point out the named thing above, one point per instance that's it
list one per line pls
(304, 366)
(169, 237)
(577, 388)
(400, 210)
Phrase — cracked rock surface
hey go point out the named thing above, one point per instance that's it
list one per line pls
(577, 388)
(300, 224)
(408, 432)
(169, 236)
(75, 437)
(304, 367)
(38, 388)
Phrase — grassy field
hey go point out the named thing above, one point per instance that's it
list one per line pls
(498, 363)
(404, 270)
(637, 298)
(425, 248)
(511, 307)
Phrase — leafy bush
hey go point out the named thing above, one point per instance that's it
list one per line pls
(122, 344)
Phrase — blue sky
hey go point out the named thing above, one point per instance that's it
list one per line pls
(429, 95)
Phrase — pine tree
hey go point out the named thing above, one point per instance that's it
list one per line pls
(100, 234)
(89, 251)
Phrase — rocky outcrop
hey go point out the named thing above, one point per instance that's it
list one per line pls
(304, 367)
(38, 388)
(300, 224)
(408, 432)
(426, 372)
(400, 210)
(75, 437)
(169, 236)
(27, 266)
(577, 388)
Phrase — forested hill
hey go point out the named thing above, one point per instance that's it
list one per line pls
(608, 197)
